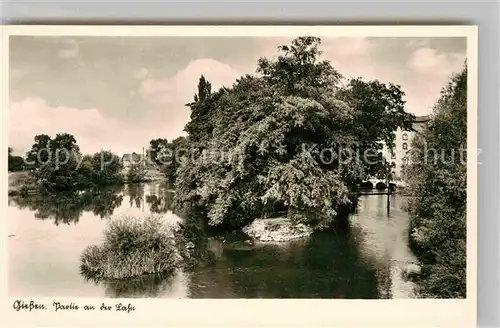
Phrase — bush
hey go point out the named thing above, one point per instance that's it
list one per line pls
(136, 173)
(106, 168)
(132, 247)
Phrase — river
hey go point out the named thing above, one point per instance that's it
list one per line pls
(48, 235)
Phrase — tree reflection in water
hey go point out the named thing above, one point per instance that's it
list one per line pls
(322, 266)
(104, 202)
(151, 285)
(160, 199)
(325, 265)
(135, 194)
(67, 207)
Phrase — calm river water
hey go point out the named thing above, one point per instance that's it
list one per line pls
(47, 236)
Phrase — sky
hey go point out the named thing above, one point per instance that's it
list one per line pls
(118, 93)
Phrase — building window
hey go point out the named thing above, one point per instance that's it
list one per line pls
(393, 164)
(393, 155)
(405, 136)
(405, 146)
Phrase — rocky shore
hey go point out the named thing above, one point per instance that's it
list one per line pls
(277, 229)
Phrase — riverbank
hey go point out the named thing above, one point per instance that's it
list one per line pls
(23, 183)
(20, 182)
(152, 175)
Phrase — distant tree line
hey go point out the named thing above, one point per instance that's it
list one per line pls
(57, 164)
(16, 163)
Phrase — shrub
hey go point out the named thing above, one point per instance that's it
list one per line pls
(106, 168)
(136, 173)
(132, 247)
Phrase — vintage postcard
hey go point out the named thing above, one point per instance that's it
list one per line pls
(239, 175)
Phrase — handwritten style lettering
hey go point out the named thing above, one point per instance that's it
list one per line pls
(20, 305)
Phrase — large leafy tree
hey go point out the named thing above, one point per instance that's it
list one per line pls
(204, 90)
(279, 141)
(201, 125)
(298, 70)
(437, 184)
(379, 109)
(158, 148)
(55, 161)
(64, 141)
(40, 151)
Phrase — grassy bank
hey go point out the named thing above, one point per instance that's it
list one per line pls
(21, 182)
(135, 175)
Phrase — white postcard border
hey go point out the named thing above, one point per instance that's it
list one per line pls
(265, 312)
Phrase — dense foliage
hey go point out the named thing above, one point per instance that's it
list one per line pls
(168, 155)
(57, 164)
(106, 168)
(158, 150)
(287, 139)
(15, 163)
(136, 173)
(437, 183)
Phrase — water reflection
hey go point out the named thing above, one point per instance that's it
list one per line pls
(146, 286)
(363, 262)
(68, 207)
(382, 240)
(135, 194)
(160, 199)
(322, 266)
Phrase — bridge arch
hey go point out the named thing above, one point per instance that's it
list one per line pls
(367, 185)
(378, 184)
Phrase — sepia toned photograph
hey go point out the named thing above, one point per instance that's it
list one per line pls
(238, 167)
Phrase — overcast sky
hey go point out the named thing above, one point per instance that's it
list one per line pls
(118, 93)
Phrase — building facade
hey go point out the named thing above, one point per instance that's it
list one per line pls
(402, 143)
(131, 159)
